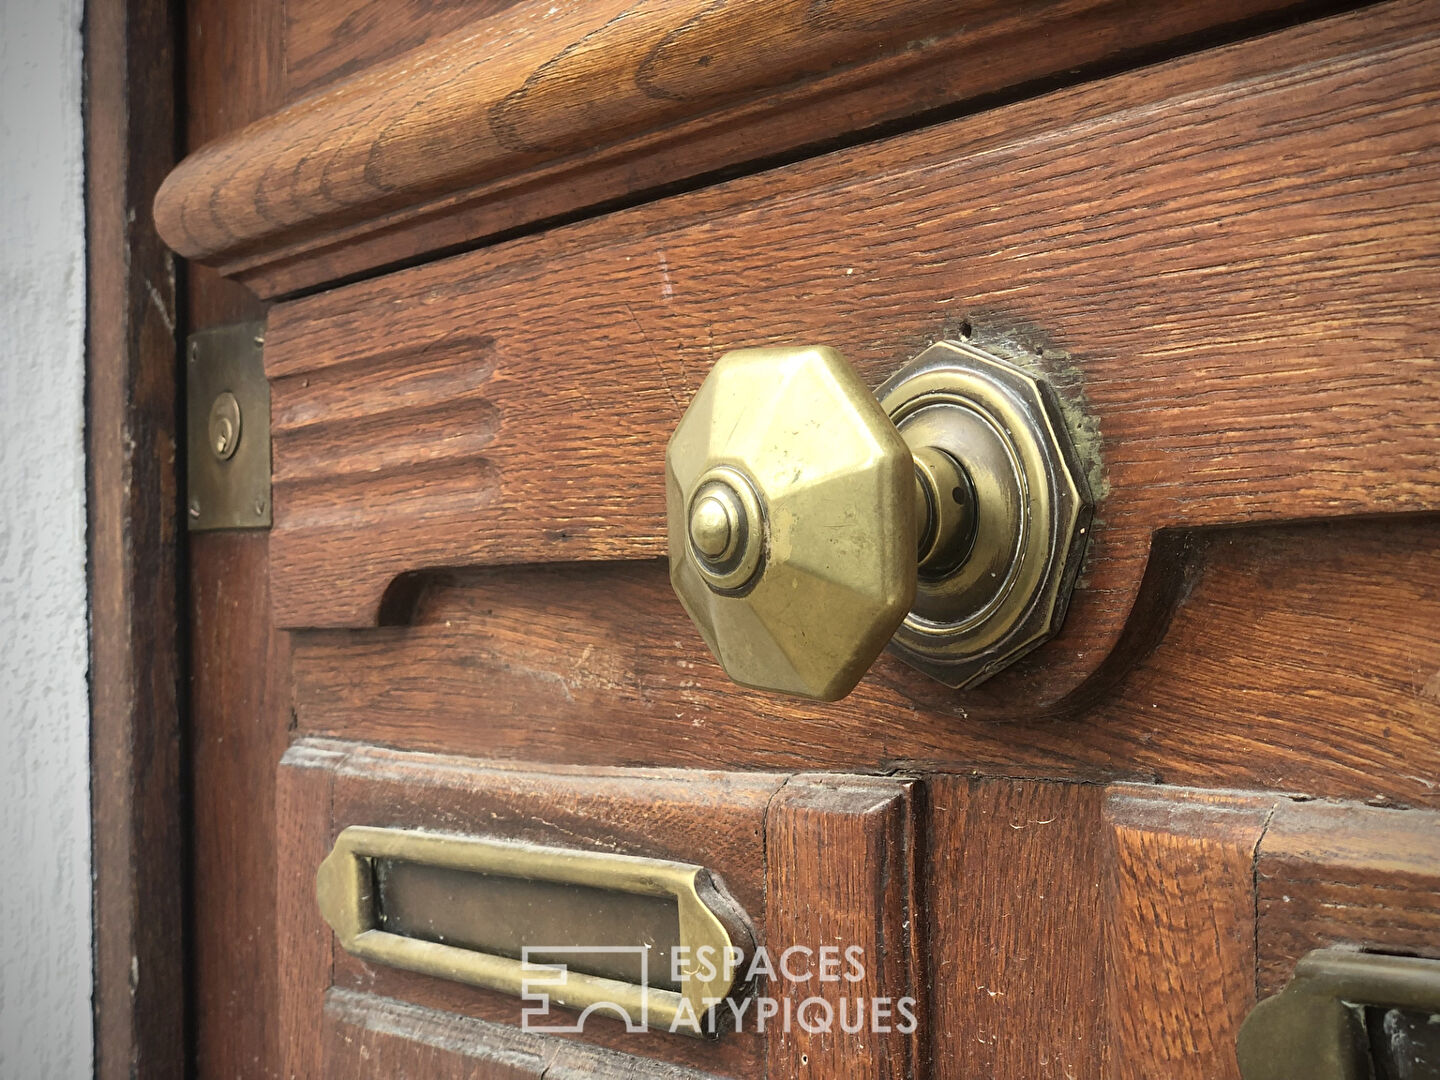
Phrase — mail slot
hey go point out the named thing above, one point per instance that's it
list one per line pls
(652, 942)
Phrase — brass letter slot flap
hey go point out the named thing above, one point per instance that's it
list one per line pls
(1347, 1016)
(654, 943)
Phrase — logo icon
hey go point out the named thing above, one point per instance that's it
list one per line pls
(539, 978)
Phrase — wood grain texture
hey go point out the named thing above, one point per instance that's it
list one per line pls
(1180, 930)
(134, 546)
(1079, 930)
(239, 707)
(1245, 315)
(841, 856)
(1303, 659)
(1015, 882)
(234, 74)
(545, 109)
(304, 794)
(1301, 663)
(714, 819)
(376, 1036)
(1345, 875)
(239, 716)
(236, 69)
(328, 40)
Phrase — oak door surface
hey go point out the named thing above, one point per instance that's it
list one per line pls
(1221, 250)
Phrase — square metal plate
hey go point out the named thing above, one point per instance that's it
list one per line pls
(228, 445)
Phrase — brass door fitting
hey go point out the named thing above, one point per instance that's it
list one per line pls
(811, 524)
(501, 915)
(1346, 1015)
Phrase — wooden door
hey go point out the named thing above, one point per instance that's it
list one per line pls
(496, 248)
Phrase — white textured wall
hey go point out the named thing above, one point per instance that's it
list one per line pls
(45, 955)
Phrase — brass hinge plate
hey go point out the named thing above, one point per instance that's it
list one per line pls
(228, 422)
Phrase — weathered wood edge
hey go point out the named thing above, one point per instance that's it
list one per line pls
(134, 553)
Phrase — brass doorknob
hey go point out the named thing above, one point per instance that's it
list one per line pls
(810, 524)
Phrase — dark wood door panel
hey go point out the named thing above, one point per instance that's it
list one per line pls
(1044, 929)
(239, 716)
(1331, 875)
(715, 820)
(1090, 931)
(812, 859)
(1226, 262)
(1213, 258)
(1014, 903)
(329, 40)
(843, 859)
(1179, 930)
(381, 1037)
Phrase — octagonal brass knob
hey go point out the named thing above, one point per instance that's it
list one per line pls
(810, 524)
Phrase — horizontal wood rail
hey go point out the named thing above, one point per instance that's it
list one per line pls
(547, 108)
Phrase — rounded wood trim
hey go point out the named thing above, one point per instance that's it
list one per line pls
(547, 108)
(530, 85)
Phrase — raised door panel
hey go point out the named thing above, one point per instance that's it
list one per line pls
(812, 860)
(1253, 340)
(1345, 876)
(1034, 929)
(1126, 931)
(1302, 659)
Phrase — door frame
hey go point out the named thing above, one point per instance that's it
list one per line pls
(135, 544)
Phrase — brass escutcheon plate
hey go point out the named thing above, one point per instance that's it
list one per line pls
(1032, 511)
(228, 421)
